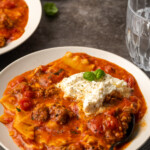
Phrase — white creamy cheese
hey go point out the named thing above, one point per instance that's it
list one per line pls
(92, 93)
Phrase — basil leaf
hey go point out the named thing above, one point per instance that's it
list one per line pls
(50, 9)
(99, 73)
(90, 76)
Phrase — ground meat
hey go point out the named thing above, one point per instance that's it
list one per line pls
(39, 92)
(133, 105)
(7, 4)
(40, 114)
(113, 98)
(110, 137)
(79, 146)
(2, 19)
(76, 146)
(47, 92)
(21, 87)
(52, 90)
(92, 147)
(60, 114)
(5, 21)
(2, 41)
(92, 143)
(125, 118)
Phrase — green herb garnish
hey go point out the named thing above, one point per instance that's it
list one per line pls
(50, 9)
(18, 109)
(74, 132)
(50, 77)
(99, 73)
(96, 75)
(58, 72)
(90, 76)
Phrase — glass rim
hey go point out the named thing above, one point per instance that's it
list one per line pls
(129, 6)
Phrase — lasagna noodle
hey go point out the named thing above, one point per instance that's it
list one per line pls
(8, 102)
(77, 63)
(24, 124)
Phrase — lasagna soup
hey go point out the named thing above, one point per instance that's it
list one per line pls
(13, 19)
(77, 102)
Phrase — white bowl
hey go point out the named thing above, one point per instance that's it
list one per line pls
(45, 56)
(35, 13)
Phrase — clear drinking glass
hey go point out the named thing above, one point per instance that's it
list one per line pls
(138, 32)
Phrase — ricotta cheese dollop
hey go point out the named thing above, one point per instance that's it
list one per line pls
(92, 93)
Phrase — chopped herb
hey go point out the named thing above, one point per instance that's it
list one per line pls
(32, 117)
(73, 132)
(36, 128)
(50, 77)
(57, 115)
(50, 9)
(58, 72)
(18, 109)
(90, 76)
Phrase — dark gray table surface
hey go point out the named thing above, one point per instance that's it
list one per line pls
(91, 23)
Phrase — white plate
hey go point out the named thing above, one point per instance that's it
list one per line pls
(45, 56)
(35, 13)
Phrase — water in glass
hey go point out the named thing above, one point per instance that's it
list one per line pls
(138, 32)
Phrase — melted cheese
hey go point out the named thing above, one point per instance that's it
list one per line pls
(92, 94)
